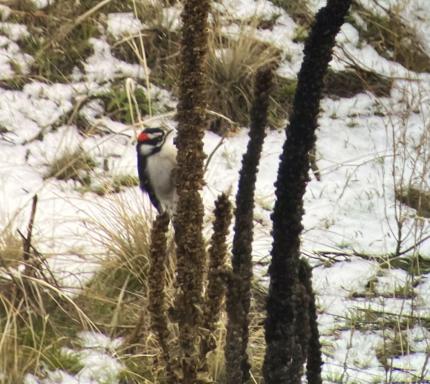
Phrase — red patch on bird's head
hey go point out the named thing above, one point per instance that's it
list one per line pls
(143, 136)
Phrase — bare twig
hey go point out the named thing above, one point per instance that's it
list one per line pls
(420, 241)
(221, 142)
(27, 240)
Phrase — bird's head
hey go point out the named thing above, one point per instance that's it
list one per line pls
(150, 141)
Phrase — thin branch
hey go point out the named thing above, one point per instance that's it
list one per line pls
(27, 240)
(220, 143)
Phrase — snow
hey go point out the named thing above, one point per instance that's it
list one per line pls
(418, 14)
(172, 18)
(40, 4)
(102, 66)
(14, 31)
(345, 277)
(351, 212)
(12, 59)
(422, 290)
(5, 12)
(123, 24)
(247, 9)
(97, 355)
(391, 280)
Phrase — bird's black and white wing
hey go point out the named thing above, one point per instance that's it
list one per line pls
(145, 184)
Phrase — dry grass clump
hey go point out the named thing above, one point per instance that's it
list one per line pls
(117, 298)
(28, 345)
(350, 82)
(391, 36)
(36, 321)
(232, 64)
(119, 182)
(11, 249)
(72, 165)
(60, 33)
(117, 103)
(122, 229)
(110, 185)
(415, 264)
(35, 315)
(55, 57)
(395, 344)
(416, 199)
(157, 46)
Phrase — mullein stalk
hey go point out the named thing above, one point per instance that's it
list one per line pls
(188, 220)
(215, 291)
(284, 352)
(314, 358)
(239, 294)
(157, 293)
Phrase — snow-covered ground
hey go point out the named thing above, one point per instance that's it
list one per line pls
(366, 147)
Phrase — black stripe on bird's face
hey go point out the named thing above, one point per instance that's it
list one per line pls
(150, 141)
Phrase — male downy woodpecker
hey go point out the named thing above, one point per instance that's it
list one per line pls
(156, 165)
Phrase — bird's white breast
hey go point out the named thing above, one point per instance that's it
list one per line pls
(160, 169)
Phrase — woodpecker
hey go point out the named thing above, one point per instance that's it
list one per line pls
(156, 166)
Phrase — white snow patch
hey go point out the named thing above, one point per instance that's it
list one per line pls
(348, 34)
(315, 5)
(97, 355)
(344, 278)
(423, 290)
(103, 67)
(411, 367)
(14, 31)
(246, 9)
(418, 14)
(392, 280)
(352, 357)
(418, 339)
(172, 17)
(94, 340)
(123, 24)
(12, 60)
(26, 115)
(99, 368)
(5, 12)
(72, 271)
(40, 4)
(64, 139)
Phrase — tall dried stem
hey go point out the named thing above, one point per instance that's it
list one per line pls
(216, 281)
(239, 294)
(157, 295)
(188, 221)
(285, 351)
